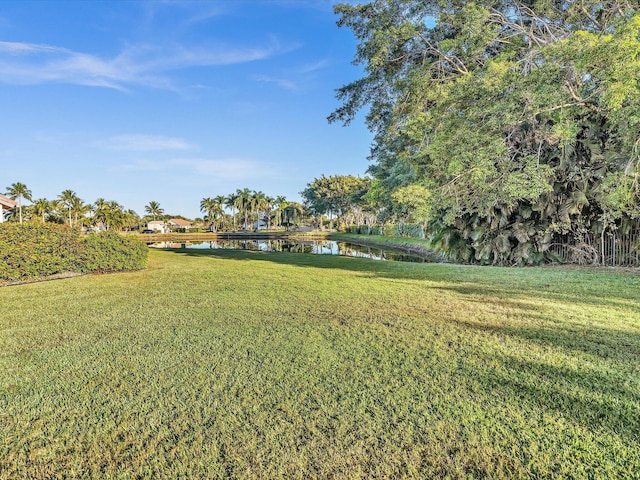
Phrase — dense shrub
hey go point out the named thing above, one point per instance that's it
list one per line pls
(376, 230)
(412, 230)
(390, 230)
(111, 252)
(36, 251)
(31, 251)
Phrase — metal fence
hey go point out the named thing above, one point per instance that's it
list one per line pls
(613, 249)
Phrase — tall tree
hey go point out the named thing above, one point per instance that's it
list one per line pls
(153, 209)
(68, 200)
(110, 213)
(257, 204)
(280, 203)
(231, 202)
(292, 214)
(79, 209)
(269, 203)
(219, 201)
(18, 191)
(333, 195)
(41, 208)
(517, 119)
(243, 204)
(212, 209)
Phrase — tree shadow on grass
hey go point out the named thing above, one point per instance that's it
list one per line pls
(596, 399)
(606, 343)
(602, 395)
(513, 286)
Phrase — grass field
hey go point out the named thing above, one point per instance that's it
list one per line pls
(227, 364)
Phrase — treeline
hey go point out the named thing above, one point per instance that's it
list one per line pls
(250, 210)
(68, 208)
(500, 126)
(243, 209)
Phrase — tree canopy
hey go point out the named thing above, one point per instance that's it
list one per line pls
(518, 119)
(334, 195)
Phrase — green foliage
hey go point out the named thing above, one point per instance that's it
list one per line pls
(508, 115)
(412, 230)
(34, 251)
(390, 230)
(335, 195)
(111, 252)
(28, 251)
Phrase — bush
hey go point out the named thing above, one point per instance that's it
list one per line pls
(390, 230)
(376, 230)
(32, 251)
(412, 230)
(28, 251)
(111, 252)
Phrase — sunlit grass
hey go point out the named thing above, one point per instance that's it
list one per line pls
(263, 365)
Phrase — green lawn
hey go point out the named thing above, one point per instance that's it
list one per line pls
(231, 364)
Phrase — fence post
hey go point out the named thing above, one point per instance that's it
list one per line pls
(613, 251)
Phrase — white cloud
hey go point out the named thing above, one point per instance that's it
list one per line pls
(313, 67)
(281, 82)
(228, 169)
(146, 143)
(29, 63)
(303, 76)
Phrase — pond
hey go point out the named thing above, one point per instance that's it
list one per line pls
(314, 247)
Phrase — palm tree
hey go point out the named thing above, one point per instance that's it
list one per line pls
(219, 201)
(110, 213)
(257, 203)
(67, 200)
(280, 204)
(230, 202)
(100, 211)
(269, 202)
(131, 219)
(243, 204)
(19, 191)
(293, 213)
(208, 207)
(79, 208)
(42, 207)
(153, 209)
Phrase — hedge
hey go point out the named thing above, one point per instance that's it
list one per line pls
(111, 252)
(411, 230)
(33, 251)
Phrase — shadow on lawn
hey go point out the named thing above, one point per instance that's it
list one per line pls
(601, 395)
(597, 399)
(507, 284)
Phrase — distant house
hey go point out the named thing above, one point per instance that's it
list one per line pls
(158, 226)
(180, 223)
(6, 204)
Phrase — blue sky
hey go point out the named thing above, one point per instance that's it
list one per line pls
(173, 100)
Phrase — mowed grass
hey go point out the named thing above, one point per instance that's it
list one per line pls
(229, 364)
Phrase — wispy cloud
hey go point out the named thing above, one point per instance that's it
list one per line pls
(228, 169)
(281, 82)
(294, 79)
(145, 143)
(314, 67)
(147, 65)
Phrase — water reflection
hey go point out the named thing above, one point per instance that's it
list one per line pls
(315, 247)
